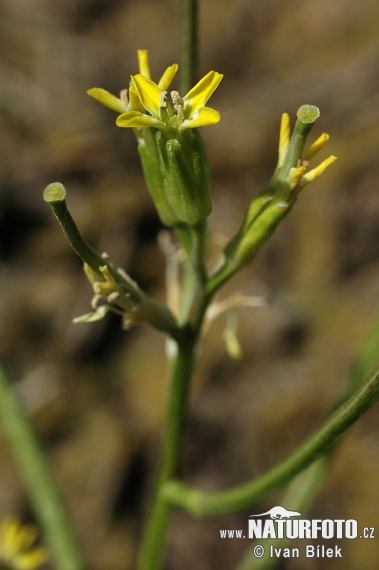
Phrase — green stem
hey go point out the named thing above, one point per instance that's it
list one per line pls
(39, 481)
(194, 295)
(222, 276)
(182, 354)
(55, 196)
(159, 314)
(189, 46)
(368, 357)
(298, 497)
(202, 503)
(180, 370)
(303, 489)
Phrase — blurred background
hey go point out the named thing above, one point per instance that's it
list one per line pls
(96, 393)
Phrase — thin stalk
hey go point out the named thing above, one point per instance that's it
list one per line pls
(38, 479)
(203, 503)
(368, 357)
(304, 488)
(221, 277)
(189, 45)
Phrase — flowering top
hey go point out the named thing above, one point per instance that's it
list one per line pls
(297, 175)
(148, 106)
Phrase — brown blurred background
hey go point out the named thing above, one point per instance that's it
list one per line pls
(95, 392)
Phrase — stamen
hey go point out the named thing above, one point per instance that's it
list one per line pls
(176, 98)
(113, 296)
(178, 104)
(95, 301)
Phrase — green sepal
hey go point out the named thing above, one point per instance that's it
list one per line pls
(187, 181)
(245, 245)
(201, 173)
(255, 208)
(179, 183)
(148, 148)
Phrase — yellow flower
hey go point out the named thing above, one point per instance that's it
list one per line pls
(16, 551)
(298, 176)
(147, 105)
(188, 113)
(173, 156)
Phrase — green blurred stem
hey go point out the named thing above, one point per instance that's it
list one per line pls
(38, 479)
(368, 357)
(298, 497)
(203, 503)
(303, 489)
(189, 45)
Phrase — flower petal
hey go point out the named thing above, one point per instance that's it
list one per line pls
(316, 146)
(134, 100)
(312, 174)
(25, 537)
(143, 62)
(167, 77)
(32, 559)
(200, 94)
(107, 99)
(92, 317)
(284, 138)
(204, 116)
(148, 92)
(137, 119)
(297, 173)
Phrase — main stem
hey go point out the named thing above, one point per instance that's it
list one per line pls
(189, 45)
(182, 350)
(180, 367)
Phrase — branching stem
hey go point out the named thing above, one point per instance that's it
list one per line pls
(204, 503)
